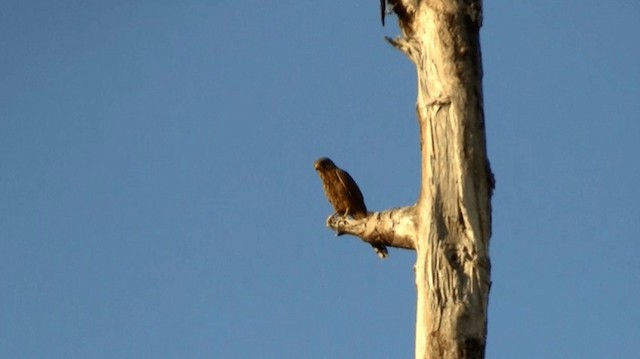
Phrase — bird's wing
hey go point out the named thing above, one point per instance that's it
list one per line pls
(350, 185)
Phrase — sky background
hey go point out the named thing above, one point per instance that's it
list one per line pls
(158, 198)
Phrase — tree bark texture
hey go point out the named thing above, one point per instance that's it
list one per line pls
(450, 225)
(454, 210)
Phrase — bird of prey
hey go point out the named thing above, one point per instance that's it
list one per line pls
(383, 10)
(343, 194)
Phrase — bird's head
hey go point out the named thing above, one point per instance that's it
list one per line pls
(323, 163)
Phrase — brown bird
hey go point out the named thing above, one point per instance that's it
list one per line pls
(343, 194)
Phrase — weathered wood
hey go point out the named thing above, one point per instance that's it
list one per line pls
(450, 225)
(394, 228)
(454, 210)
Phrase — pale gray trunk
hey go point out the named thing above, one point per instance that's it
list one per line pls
(450, 225)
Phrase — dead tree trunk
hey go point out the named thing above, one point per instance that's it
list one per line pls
(450, 225)
(454, 210)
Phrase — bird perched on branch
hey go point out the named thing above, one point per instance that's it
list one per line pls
(343, 194)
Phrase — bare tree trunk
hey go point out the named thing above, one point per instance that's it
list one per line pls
(454, 210)
(450, 225)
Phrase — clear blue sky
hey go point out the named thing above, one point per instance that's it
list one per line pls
(158, 200)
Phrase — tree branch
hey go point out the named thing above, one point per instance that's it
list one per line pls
(393, 228)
